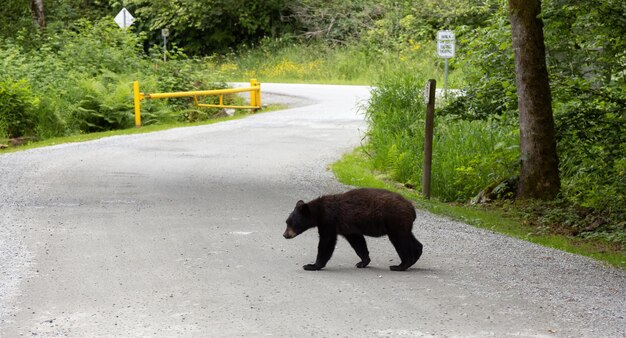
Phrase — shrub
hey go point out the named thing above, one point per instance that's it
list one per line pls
(585, 56)
(106, 104)
(78, 78)
(470, 155)
(49, 121)
(17, 109)
(467, 156)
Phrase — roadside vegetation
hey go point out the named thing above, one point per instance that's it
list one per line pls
(79, 80)
(74, 77)
(516, 219)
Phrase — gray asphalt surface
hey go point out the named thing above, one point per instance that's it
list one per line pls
(179, 233)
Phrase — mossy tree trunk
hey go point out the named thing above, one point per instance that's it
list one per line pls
(39, 16)
(539, 176)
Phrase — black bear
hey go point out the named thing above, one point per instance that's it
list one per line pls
(358, 212)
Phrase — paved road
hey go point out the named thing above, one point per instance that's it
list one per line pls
(179, 233)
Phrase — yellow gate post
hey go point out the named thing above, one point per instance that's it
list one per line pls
(137, 97)
(255, 95)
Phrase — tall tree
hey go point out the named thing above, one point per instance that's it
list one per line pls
(39, 16)
(539, 176)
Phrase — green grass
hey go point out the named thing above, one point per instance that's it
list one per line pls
(356, 169)
(467, 155)
(321, 64)
(132, 131)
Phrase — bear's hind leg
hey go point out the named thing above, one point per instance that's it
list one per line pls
(404, 246)
(360, 247)
(416, 249)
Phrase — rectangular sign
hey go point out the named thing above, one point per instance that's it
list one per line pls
(445, 44)
(445, 36)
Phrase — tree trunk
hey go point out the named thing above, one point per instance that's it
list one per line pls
(539, 176)
(39, 16)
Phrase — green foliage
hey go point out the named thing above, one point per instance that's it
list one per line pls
(586, 58)
(335, 21)
(486, 53)
(79, 80)
(16, 16)
(105, 105)
(418, 21)
(535, 221)
(383, 24)
(470, 155)
(283, 60)
(17, 109)
(592, 145)
(587, 55)
(396, 118)
(202, 27)
(49, 123)
(561, 216)
(92, 48)
(585, 39)
(467, 155)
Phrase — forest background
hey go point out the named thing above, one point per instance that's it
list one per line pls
(66, 68)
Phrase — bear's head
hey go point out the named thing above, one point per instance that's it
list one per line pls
(299, 220)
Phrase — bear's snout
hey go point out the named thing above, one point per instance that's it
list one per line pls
(289, 233)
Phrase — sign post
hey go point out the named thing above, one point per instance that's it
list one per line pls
(445, 49)
(165, 33)
(429, 98)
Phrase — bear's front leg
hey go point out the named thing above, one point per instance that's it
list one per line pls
(325, 249)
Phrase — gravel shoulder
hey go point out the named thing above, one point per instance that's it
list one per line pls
(179, 233)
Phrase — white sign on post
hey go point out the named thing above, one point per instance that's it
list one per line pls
(445, 49)
(445, 44)
(124, 18)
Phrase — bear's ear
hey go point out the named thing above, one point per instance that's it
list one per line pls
(302, 207)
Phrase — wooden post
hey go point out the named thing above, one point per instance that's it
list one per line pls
(429, 97)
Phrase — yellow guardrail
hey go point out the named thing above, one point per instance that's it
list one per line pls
(254, 89)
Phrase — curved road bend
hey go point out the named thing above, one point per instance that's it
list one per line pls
(178, 233)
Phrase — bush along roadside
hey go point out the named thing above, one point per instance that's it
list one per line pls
(477, 159)
(467, 155)
(79, 80)
(534, 221)
(588, 99)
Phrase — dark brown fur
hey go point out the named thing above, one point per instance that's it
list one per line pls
(355, 214)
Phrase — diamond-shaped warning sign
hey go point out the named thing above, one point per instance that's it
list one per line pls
(124, 18)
